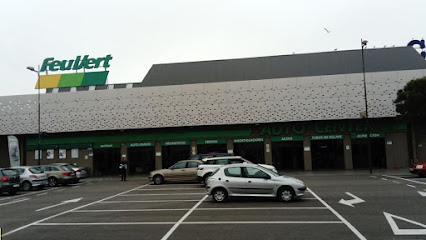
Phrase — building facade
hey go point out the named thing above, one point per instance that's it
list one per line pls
(295, 111)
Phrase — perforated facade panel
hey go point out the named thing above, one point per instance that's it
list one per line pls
(255, 101)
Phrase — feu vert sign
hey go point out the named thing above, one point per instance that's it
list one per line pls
(79, 62)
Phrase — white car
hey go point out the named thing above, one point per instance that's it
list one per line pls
(251, 180)
(31, 177)
(210, 165)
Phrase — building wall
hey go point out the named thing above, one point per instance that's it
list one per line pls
(256, 101)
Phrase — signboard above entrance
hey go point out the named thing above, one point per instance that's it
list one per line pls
(78, 63)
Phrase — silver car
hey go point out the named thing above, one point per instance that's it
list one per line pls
(31, 177)
(252, 180)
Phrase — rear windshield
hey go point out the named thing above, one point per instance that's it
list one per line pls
(8, 172)
(36, 170)
(66, 168)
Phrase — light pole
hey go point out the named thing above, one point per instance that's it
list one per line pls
(370, 167)
(38, 105)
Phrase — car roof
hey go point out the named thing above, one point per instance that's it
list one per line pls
(224, 157)
(239, 165)
(190, 160)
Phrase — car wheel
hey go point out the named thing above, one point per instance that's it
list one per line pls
(286, 194)
(53, 182)
(158, 179)
(207, 175)
(26, 186)
(220, 195)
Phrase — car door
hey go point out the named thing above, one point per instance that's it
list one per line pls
(177, 172)
(258, 181)
(234, 180)
(191, 170)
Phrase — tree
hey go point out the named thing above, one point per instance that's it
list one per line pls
(411, 104)
(411, 101)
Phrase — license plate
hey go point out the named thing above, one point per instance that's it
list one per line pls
(411, 169)
(15, 185)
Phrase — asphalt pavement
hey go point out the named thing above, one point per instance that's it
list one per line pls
(388, 204)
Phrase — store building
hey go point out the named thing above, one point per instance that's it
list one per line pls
(298, 112)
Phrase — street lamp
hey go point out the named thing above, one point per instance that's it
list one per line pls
(38, 105)
(370, 167)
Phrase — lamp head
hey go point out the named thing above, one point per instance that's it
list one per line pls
(31, 68)
(364, 43)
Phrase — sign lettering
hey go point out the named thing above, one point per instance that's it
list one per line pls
(79, 63)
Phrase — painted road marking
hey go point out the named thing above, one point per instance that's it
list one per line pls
(16, 201)
(373, 176)
(22, 195)
(411, 186)
(59, 204)
(394, 181)
(384, 179)
(350, 203)
(161, 194)
(409, 180)
(397, 231)
(349, 225)
(422, 193)
(170, 189)
(170, 232)
(189, 223)
(76, 187)
(41, 194)
(65, 212)
(60, 190)
(149, 201)
(203, 209)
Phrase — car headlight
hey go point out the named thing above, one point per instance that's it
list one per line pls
(419, 166)
(209, 180)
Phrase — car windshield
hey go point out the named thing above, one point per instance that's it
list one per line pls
(36, 170)
(269, 171)
(66, 168)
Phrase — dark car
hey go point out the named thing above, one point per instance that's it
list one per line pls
(207, 155)
(418, 168)
(9, 181)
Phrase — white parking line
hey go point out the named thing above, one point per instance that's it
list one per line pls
(22, 195)
(384, 179)
(394, 181)
(189, 223)
(60, 190)
(106, 223)
(373, 176)
(267, 222)
(348, 224)
(16, 201)
(409, 180)
(170, 189)
(76, 187)
(165, 237)
(161, 194)
(65, 212)
(200, 209)
(41, 194)
(149, 201)
(411, 186)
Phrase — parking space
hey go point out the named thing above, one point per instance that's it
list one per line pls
(390, 209)
(183, 211)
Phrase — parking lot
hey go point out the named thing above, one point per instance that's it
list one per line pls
(392, 207)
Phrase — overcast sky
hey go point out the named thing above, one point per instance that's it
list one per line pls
(139, 34)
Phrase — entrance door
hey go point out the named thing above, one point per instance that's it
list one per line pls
(106, 161)
(327, 154)
(288, 155)
(360, 153)
(141, 159)
(173, 154)
(250, 151)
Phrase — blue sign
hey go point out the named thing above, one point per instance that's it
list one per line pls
(421, 43)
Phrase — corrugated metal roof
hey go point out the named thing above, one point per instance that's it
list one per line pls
(285, 66)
